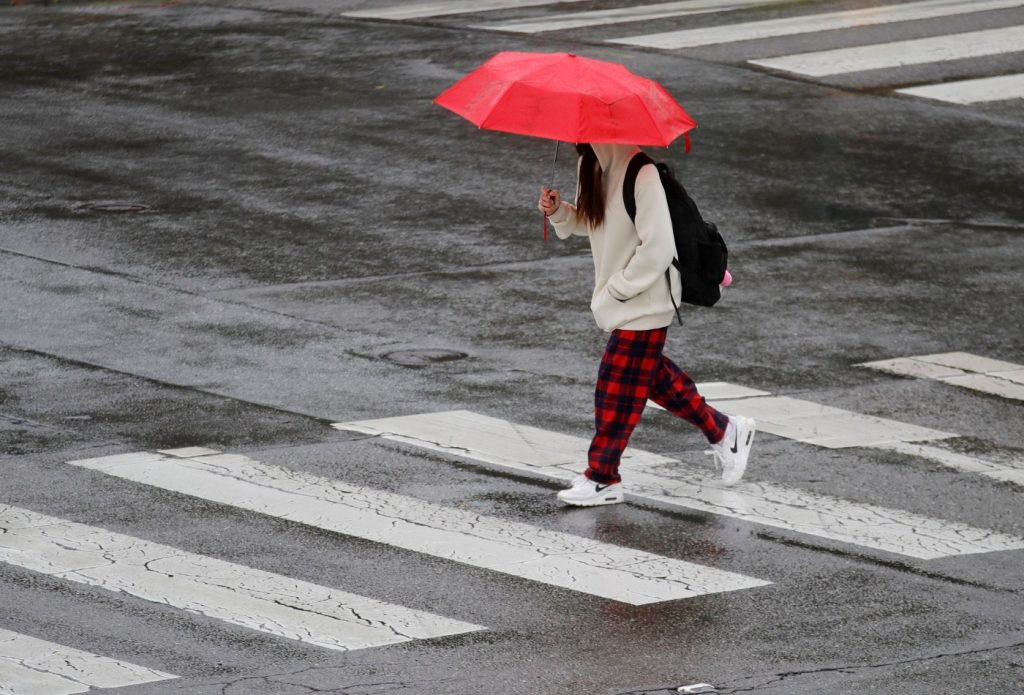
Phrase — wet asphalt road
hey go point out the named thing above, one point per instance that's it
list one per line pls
(305, 211)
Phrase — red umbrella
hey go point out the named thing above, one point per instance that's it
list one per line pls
(564, 97)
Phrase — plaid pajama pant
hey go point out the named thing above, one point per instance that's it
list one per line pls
(632, 370)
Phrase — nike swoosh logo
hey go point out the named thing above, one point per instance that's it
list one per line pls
(598, 488)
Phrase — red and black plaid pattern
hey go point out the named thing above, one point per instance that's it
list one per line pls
(632, 370)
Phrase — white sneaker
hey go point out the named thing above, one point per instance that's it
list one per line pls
(732, 452)
(586, 493)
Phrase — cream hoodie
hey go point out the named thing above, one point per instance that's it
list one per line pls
(630, 291)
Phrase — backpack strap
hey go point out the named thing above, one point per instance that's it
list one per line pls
(668, 279)
(639, 160)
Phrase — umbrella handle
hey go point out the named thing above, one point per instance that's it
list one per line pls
(554, 160)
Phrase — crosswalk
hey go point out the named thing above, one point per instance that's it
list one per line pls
(693, 26)
(399, 11)
(636, 13)
(835, 428)
(974, 372)
(332, 617)
(327, 616)
(806, 24)
(675, 483)
(937, 49)
(521, 550)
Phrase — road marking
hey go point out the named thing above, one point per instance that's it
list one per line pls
(189, 452)
(806, 24)
(1008, 472)
(639, 13)
(935, 49)
(822, 425)
(30, 666)
(1000, 88)
(719, 390)
(437, 9)
(811, 423)
(963, 369)
(552, 455)
(521, 550)
(243, 596)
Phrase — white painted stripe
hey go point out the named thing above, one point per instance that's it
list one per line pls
(865, 525)
(243, 596)
(510, 446)
(935, 49)
(1004, 472)
(30, 666)
(188, 452)
(492, 440)
(719, 390)
(638, 13)
(822, 425)
(806, 24)
(409, 10)
(974, 372)
(969, 362)
(910, 366)
(517, 549)
(988, 383)
(723, 390)
(1016, 376)
(1000, 88)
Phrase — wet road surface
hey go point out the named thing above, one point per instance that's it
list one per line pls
(226, 227)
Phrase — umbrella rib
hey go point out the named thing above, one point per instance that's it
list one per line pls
(657, 127)
(491, 119)
(623, 85)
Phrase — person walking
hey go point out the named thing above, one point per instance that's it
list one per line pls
(632, 301)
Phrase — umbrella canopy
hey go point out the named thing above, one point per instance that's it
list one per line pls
(564, 97)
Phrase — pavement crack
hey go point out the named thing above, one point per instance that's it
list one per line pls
(28, 665)
(854, 668)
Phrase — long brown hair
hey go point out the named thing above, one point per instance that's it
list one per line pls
(590, 196)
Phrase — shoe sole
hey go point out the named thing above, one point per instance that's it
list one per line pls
(601, 501)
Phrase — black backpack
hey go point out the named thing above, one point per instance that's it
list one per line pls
(701, 254)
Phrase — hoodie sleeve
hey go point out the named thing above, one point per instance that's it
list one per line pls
(657, 244)
(566, 223)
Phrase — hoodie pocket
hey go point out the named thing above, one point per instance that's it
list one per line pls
(603, 299)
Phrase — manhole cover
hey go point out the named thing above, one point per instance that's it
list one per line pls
(111, 206)
(424, 358)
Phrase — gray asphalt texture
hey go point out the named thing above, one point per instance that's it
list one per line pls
(306, 211)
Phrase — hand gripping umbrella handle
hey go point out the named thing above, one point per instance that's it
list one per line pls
(552, 179)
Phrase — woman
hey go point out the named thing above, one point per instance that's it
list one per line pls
(631, 300)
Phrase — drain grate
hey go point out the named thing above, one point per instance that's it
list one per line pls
(111, 206)
(424, 357)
